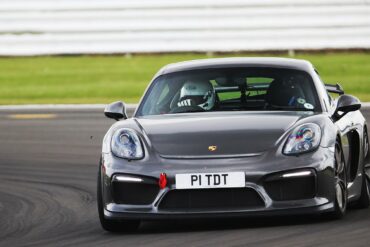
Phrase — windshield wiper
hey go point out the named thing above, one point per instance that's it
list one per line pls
(187, 109)
(288, 108)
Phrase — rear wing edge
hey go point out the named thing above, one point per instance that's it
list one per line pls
(331, 88)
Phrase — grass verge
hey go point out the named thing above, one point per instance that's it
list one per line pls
(103, 79)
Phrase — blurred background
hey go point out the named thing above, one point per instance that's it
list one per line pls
(95, 51)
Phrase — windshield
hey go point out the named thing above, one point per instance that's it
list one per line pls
(230, 89)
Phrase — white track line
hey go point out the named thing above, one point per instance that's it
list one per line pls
(60, 107)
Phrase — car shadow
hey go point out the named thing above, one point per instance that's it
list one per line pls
(198, 225)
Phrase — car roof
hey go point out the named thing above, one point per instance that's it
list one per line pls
(272, 62)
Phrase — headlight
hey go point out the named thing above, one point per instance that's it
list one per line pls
(303, 139)
(126, 144)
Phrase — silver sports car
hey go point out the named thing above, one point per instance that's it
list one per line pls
(234, 137)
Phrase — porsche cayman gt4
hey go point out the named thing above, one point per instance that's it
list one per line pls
(234, 137)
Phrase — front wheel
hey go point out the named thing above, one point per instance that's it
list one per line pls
(113, 225)
(364, 200)
(340, 185)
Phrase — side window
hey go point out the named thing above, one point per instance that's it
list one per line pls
(164, 93)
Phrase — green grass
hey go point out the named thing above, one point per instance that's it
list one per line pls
(103, 79)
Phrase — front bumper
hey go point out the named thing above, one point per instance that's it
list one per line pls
(258, 171)
(324, 208)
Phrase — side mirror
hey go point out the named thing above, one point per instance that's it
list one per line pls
(116, 110)
(346, 103)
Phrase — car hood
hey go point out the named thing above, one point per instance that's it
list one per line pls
(230, 134)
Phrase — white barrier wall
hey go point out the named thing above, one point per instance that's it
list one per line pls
(38, 27)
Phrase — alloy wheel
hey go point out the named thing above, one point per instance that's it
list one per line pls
(340, 179)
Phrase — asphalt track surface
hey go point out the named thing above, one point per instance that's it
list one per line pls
(48, 166)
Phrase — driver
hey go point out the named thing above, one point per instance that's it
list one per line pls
(199, 93)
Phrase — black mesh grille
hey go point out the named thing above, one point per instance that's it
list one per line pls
(204, 199)
(284, 189)
(134, 193)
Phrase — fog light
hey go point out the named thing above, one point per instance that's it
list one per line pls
(123, 178)
(297, 174)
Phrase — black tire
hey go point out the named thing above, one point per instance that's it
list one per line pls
(340, 184)
(366, 146)
(364, 200)
(113, 225)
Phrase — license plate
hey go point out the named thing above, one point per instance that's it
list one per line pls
(210, 180)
